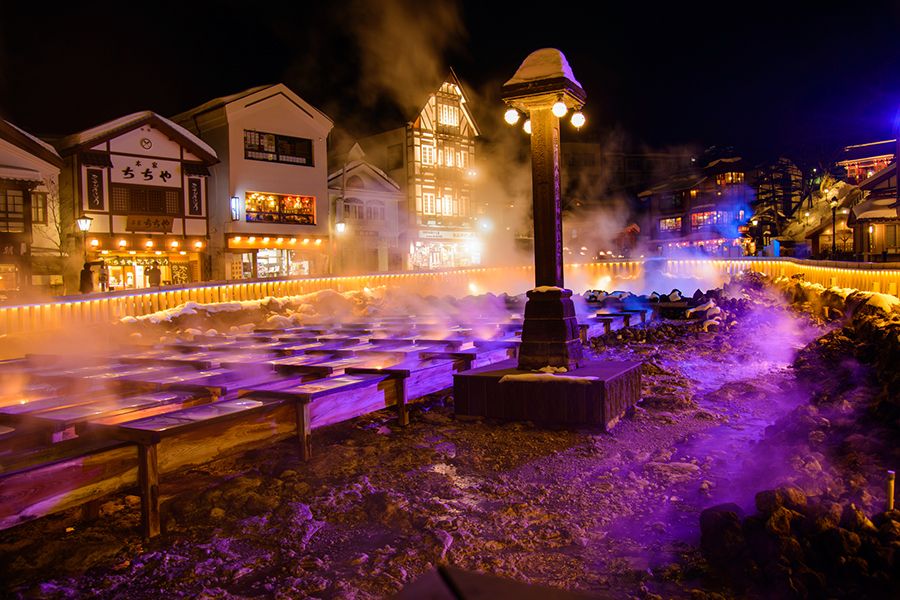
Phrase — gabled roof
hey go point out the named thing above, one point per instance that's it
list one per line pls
(111, 129)
(879, 177)
(452, 78)
(29, 143)
(356, 160)
(870, 150)
(274, 88)
(674, 184)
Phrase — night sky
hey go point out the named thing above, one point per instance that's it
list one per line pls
(770, 79)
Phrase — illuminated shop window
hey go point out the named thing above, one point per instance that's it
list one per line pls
(271, 147)
(427, 154)
(670, 225)
(729, 178)
(703, 220)
(449, 115)
(280, 208)
(428, 203)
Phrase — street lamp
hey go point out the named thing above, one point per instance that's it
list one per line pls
(543, 90)
(84, 225)
(340, 227)
(834, 205)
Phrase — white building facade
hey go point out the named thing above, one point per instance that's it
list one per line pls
(142, 180)
(31, 252)
(365, 205)
(269, 208)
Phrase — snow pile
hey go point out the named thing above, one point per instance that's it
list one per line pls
(551, 370)
(820, 212)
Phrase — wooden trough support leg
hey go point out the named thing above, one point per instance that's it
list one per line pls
(148, 478)
(402, 412)
(303, 431)
(607, 326)
(583, 332)
(626, 320)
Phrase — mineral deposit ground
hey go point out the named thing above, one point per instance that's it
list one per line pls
(781, 400)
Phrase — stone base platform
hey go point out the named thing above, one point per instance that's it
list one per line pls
(596, 394)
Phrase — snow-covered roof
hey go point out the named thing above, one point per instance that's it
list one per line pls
(868, 151)
(222, 101)
(19, 174)
(875, 208)
(546, 63)
(110, 129)
(355, 164)
(24, 140)
(218, 102)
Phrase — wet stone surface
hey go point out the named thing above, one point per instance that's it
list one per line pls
(724, 417)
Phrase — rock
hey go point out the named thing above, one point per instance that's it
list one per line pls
(721, 536)
(779, 522)
(674, 472)
(768, 501)
(854, 519)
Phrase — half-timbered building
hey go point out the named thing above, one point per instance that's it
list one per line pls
(433, 159)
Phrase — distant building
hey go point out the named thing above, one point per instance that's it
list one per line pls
(876, 220)
(30, 244)
(862, 161)
(705, 209)
(365, 204)
(142, 180)
(433, 160)
(269, 209)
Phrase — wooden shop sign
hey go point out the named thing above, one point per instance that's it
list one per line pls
(154, 224)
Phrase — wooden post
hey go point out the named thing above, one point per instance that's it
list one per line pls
(303, 431)
(402, 412)
(148, 478)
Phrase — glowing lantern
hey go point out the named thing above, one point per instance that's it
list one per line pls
(559, 109)
(149, 243)
(251, 239)
(527, 126)
(175, 243)
(578, 119)
(511, 116)
(198, 245)
(122, 243)
(95, 242)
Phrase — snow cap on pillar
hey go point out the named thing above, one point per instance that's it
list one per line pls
(543, 76)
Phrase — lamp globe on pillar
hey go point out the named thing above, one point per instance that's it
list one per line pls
(84, 225)
(544, 89)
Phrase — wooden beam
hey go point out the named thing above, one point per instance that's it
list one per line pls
(148, 479)
(304, 431)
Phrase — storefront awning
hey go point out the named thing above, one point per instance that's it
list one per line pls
(195, 169)
(19, 174)
(96, 159)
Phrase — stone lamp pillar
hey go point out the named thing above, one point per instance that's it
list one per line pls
(550, 331)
